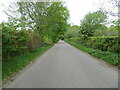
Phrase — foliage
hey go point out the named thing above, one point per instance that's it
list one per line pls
(13, 41)
(39, 24)
(49, 19)
(109, 57)
(110, 44)
(34, 41)
(92, 22)
(104, 44)
(72, 31)
(112, 30)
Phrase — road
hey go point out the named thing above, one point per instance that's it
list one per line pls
(64, 66)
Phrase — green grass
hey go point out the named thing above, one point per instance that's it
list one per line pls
(109, 57)
(20, 61)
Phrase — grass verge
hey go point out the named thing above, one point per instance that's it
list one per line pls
(109, 57)
(20, 61)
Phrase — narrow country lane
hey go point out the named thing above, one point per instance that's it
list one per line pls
(64, 66)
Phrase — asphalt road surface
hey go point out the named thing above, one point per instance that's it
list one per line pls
(64, 66)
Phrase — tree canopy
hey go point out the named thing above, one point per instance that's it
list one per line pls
(49, 19)
(92, 22)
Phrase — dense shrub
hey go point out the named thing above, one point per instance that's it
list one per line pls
(110, 44)
(72, 32)
(15, 41)
(34, 41)
(103, 43)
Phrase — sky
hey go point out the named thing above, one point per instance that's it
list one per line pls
(77, 8)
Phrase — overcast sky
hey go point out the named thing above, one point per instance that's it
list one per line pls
(78, 9)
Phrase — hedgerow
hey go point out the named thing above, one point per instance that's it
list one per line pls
(110, 44)
(15, 42)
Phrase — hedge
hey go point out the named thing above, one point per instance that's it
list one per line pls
(15, 42)
(110, 44)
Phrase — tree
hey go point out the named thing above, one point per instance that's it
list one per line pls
(49, 18)
(57, 22)
(92, 22)
(72, 31)
(38, 24)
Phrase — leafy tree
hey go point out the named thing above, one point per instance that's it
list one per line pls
(72, 31)
(92, 22)
(49, 19)
(57, 22)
